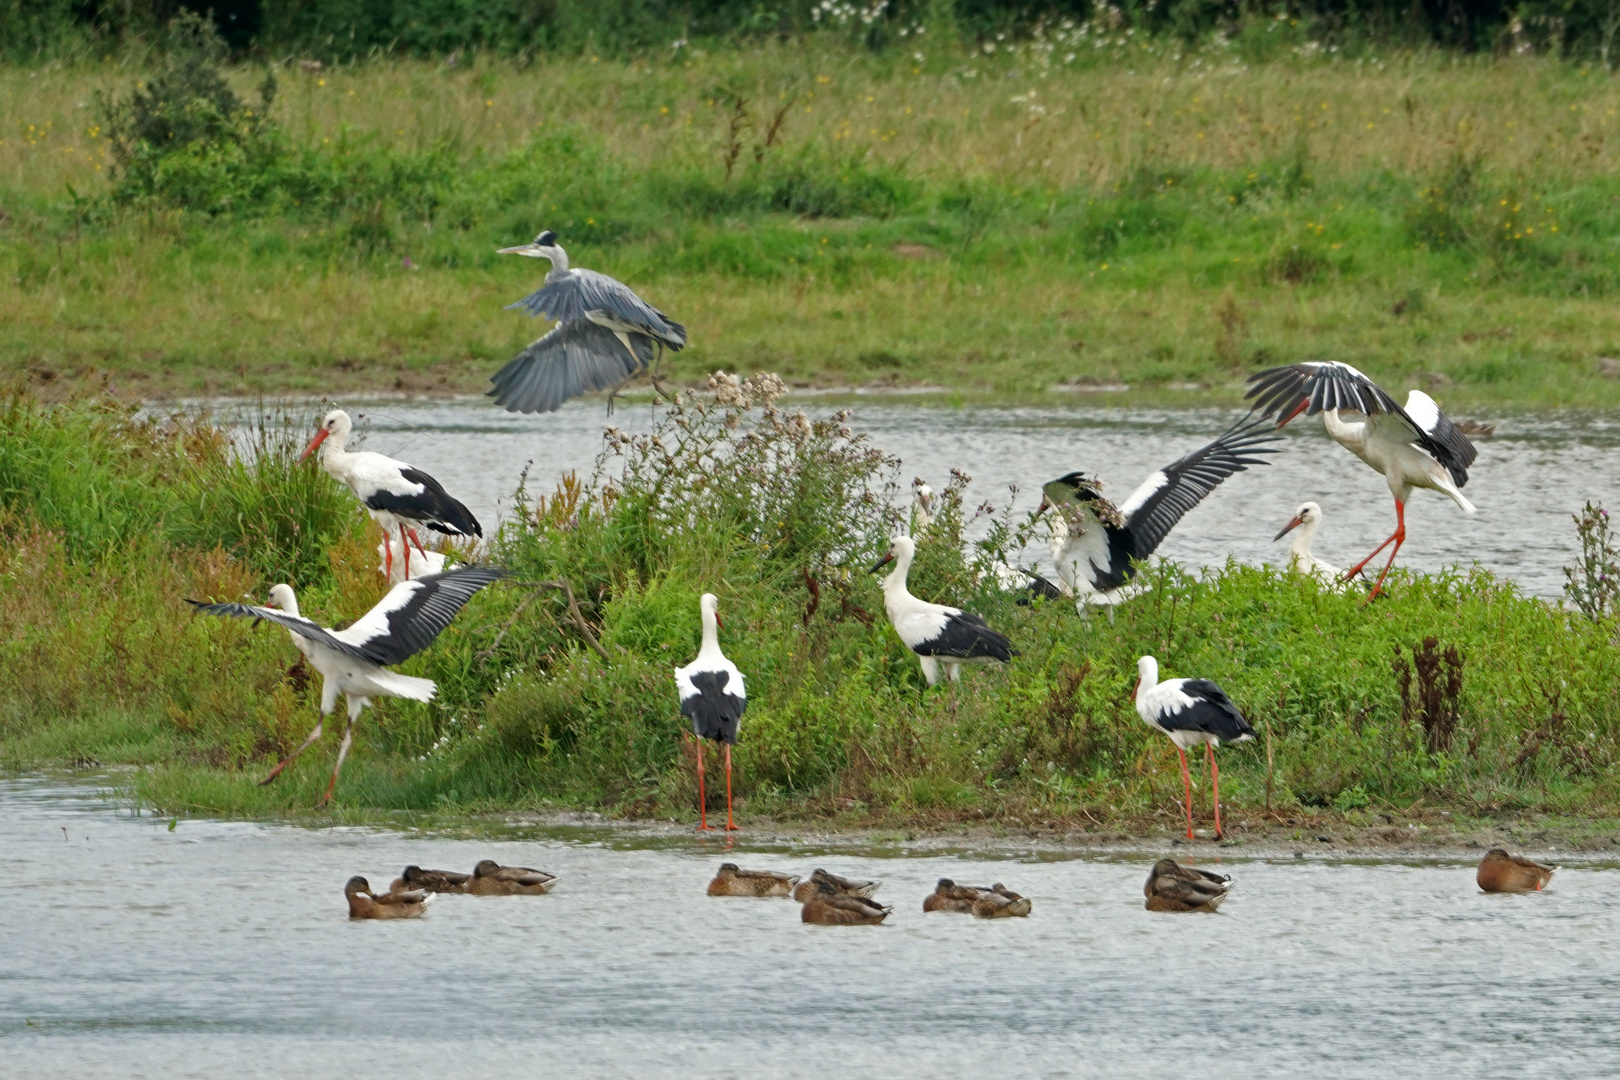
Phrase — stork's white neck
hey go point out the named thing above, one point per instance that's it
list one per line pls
(894, 585)
(711, 635)
(1147, 670)
(1300, 549)
(1353, 436)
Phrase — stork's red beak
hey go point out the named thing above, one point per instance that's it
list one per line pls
(718, 621)
(320, 437)
(1293, 524)
(1137, 688)
(1301, 407)
(1041, 509)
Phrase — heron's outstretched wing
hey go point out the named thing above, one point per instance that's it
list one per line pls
(300, 626)
(1314, 386)
(577, 295)
(414, 613)
(1165, 497)
(574, 358)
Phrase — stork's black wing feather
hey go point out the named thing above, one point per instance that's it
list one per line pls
(715, 714)
(1212, 712)
(1165, 497)
(414, 613)
(300, 626)
(574, 358)
(966, 636)
(434, 507)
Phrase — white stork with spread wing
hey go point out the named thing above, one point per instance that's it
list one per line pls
(1414, 447)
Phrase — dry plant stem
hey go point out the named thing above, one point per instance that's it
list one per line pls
(574, 616)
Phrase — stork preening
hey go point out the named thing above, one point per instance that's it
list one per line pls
(1307, 519)
(1190, 711)
(398, 497)
(1096, 546)
(713, 699)
(1414, 447)
(604, 337)
(353, 661)
(1007, 577)
(942, 637)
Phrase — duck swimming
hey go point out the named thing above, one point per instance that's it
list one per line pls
(828, 907)
(1173, 887)
(1501, 872)
(843, 885)
(433, 881)
(732, 880)
(365, 904)
(490, 878)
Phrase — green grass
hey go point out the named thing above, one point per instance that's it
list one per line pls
(101, 661)
(994, 225)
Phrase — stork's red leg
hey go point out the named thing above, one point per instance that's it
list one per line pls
(1400, 538)
(1397, 538)
(388, 557)
(419, 546)
(730, 825)
(343, 752)
(288, 760)
(1215, 783)
(703, 799)
(405, 543)
(1186, 779)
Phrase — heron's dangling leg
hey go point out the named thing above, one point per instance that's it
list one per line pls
(343, 749)
(288, 760)
(730, 825)
(1186, 780)
(703, 799)
(1215, 783)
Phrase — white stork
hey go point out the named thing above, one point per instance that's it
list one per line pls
(1307, 519)
(713, 699)
(396, 495)
(352, 661)
(1414, 447)
(1096, 546)
(1190, 711)
(394, 564)
(939, 635)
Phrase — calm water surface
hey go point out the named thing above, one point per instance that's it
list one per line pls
(223, 949)
(1530, 477)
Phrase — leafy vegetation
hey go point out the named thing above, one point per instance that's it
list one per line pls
(1456, 690)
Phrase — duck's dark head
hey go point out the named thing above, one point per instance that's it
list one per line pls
(485, 867)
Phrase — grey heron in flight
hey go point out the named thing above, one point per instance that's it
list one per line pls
(605, 335)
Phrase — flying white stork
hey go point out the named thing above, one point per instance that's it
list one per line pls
(352, 661)
(1190, 711)
(939, 635)
(713, 699)
(396, 495)
(1096, 546)
(1414, 447)
(1307, 519)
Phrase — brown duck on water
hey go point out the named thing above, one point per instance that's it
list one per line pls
(1173, 887)
(995, 902)
(827, 906)
(365, 904)
(1501, 872)
(434, 881)
(490, 878)
(843, 885)
(732, 880)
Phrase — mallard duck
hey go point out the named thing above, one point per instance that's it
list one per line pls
(1000, 902)
(490, 878)
(1173, 887)
(732, 880)
(434, 881)
(949, 896)
(828, 907)
(1501, 872)
(841, 885)
(365, 904)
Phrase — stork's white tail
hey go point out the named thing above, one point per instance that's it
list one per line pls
(405, 686)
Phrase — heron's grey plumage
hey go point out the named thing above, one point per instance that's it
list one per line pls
(605, 335)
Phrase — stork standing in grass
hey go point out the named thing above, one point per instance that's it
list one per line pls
(352, 662)
(1307, 519)
(605, 335)
(941, 636)
(713, 699)
(1190, 711)
(1414, 447)
(1096, 546)
(396, 495)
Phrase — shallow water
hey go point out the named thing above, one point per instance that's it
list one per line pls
(1531, 475)
(223, 949)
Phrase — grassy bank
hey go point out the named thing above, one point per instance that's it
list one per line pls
(1455, 693)
(994, 223)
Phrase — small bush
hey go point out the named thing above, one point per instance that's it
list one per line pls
(1593, 583)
